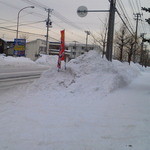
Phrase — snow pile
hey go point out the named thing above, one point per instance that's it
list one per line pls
(87, 74)
(147, 69)
(47, 60)
(138, 66)
(15, 61)
(68, 110)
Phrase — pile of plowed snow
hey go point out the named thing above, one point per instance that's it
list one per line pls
(15, 61)
(50, 60)
(87, 74)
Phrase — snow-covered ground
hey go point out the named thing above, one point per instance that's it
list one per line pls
(92, 105)
(18, 64)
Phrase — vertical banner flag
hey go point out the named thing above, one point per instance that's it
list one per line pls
(61, 55)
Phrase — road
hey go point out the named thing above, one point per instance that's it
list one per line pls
(12, 76)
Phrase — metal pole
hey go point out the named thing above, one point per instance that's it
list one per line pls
(142, 45)
(86, 41)
(85, 11)
(137, 21)
(47, 35)
(110, 33)
(17, 25)
(18, 19)
(75, 47)
(87, 33)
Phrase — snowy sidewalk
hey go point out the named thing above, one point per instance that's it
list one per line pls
(86, 107)
(130, 115)
(119, 121)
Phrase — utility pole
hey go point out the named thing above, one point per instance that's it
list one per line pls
(75, 44)
(48, 25)
(137, 15)
(142, 45)
(104, 43)
(73, 53)
(110, 33)
(87, 34)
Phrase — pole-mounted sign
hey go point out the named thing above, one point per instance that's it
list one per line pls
(82, 12)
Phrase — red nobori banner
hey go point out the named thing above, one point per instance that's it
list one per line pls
(62, 49)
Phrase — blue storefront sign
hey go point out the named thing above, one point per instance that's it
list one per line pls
(19, 47)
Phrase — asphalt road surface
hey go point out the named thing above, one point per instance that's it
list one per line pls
(19, 75)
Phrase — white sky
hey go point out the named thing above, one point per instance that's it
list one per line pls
(67, 8)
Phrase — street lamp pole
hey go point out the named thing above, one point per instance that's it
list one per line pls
(87, 33)
(18, 18)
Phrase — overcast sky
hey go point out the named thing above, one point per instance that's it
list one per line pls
(64, 16)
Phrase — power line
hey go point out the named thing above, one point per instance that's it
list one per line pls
(20, 31)
(27, 33)
(13, 6)
(139, 10)
(125, 14)
(140, 3)
(6, 21)
(55, 14)
(132, 7)
(123, 21)
(9, 5)
(25, 24)
(43, 7)
(35, 3)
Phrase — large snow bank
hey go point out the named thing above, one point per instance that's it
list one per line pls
(138, 66)
(87, 74)
(15, 61)
(50, 60)
(68, 110)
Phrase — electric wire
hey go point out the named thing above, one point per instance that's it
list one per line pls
(124, 22)
(25, 24)
(122, 8)
(54, 13)
(41, 6)
(36, 34)
(132, 8)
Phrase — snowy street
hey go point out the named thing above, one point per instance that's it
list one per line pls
(93, 105)
(15, 76)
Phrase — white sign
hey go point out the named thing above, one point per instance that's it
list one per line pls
(82, 11)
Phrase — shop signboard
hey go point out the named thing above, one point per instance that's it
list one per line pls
(19, 47)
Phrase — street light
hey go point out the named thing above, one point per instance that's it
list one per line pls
(18, 18)
(87, 33)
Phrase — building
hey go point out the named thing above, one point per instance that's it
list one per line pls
(6, 47)
(3, 46)
(9, 51)
(79, 49)
(35, 48)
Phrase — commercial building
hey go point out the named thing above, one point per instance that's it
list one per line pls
(35, 48)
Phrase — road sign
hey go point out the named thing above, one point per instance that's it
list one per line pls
(19, 47)
(82, 11)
